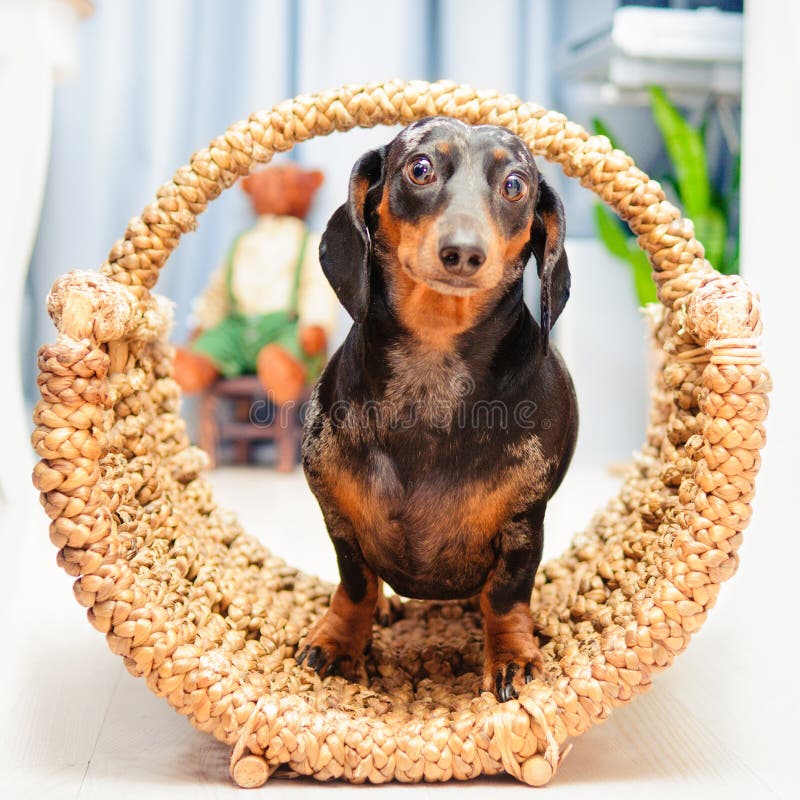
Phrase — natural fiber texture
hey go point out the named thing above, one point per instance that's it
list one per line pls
(211, 620)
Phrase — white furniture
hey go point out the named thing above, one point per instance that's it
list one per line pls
(37, 49)
(689, 52)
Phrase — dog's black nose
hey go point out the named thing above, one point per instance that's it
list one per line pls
(462, 255)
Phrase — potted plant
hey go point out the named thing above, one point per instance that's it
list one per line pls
(689, 180)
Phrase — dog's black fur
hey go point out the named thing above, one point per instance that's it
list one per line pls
(442, 426)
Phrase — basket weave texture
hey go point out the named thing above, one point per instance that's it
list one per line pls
(211, 619)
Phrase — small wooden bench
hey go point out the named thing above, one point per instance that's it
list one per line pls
(236, 411)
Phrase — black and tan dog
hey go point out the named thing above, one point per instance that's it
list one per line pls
(443, 425)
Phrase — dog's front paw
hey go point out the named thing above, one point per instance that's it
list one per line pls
(505, 674)
(335, 643)
(327, 658)
(328, 654)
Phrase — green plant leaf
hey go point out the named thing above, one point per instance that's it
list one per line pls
(599, 128)
(625, 248)
(642, 275)
(686, 150)
(610, 232)
(670, 186)
(736, 183)
(710, 228)
(730, 265)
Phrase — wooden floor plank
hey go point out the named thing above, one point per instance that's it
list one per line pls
(61, 675)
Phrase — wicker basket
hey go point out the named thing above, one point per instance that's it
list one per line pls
(211, 619)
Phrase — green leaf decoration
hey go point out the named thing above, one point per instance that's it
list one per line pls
(710, 227)
(686, 150)
(610, 232)
(626, 248)
(730, 264)
(599, 128)
(708, 207)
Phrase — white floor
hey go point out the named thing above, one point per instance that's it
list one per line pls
(75, 724)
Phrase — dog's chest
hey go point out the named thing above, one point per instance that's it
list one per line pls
(425, 386)
(425, 528)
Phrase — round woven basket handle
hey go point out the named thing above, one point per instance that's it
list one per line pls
(715, 317)
(115, 454)
(677, 257)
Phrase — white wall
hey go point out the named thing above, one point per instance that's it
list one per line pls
(770, 180)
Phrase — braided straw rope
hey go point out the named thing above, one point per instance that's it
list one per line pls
(211, 619)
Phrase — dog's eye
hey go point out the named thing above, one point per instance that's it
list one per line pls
(420, 171)
(515, 187)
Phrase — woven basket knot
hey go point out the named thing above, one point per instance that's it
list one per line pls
(723, 317)
(721, 312)
(155, 318)
(88, 305)
(539, 768)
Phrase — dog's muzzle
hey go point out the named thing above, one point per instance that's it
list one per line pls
(462, 248)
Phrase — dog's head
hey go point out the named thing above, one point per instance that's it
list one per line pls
(447, 210)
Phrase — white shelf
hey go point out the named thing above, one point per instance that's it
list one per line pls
(687, 52)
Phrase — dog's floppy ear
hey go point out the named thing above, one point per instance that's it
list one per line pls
(346, 248)
(549, 228)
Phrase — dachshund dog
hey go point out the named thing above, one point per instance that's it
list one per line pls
(442, 426)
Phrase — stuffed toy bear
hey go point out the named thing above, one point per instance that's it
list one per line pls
(268, 310)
